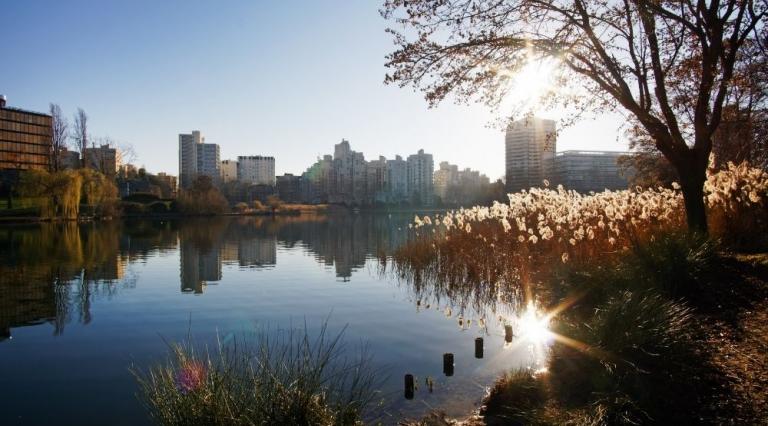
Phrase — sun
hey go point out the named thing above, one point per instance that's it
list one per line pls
(530, 84)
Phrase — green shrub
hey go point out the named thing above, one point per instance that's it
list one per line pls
(674, 264)
(637, 350)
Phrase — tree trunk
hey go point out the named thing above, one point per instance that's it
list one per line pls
(693, 174)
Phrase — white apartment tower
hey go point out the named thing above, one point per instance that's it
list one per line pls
(530, 152)
(397, 179)
(197, 158)
(350, 170)
(256, 169)
(420, 169)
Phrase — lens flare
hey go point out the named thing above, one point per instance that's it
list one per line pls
(534, 326)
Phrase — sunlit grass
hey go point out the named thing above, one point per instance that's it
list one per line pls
(276, 377)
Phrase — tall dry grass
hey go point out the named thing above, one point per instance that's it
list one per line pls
(619, 275)
(514, 242)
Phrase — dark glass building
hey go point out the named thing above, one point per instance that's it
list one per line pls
(25, 139)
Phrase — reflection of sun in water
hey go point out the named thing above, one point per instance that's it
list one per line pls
(534, 326)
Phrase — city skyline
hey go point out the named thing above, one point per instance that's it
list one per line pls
(239, 87)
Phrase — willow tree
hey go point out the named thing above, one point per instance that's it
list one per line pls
(58, 194)
(667, 64)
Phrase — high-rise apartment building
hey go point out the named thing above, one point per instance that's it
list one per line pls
(377, 181)
(584, 171)
(25, 139)
(460, 187)
(208, 162)
(256, 169)
(420, 169)
(197, 158)
(446, 176)
(228, 171)
(397, 176)
(319, 179)
(530, 152)
(349, 175)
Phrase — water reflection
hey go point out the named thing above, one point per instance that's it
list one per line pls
(35, 290)
(53, 273)
(167, 277)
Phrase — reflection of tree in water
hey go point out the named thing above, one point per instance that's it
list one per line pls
(53, 272)
(478, 302)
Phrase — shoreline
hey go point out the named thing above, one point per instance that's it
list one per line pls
(301, 210)
(733, 315)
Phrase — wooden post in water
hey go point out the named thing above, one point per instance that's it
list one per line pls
(479, 348)
(409, 386)
(508, 333)
(448, 364)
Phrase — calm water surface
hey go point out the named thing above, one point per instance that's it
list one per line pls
(80, 304)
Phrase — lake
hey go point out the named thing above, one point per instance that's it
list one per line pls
(81, 303)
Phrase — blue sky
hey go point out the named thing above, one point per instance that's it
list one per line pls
(287, 79)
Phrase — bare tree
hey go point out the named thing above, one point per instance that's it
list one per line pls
(60, 128)
(667, 64)
(81, 134)
(126, 154)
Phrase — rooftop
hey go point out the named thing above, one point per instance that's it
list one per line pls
(25, 111)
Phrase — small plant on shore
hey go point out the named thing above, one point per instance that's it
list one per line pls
(283, 377)
(517, 398)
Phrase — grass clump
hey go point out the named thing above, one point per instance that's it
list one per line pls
(634, 352)
(516, 398)
(631, 362)
(285, 377)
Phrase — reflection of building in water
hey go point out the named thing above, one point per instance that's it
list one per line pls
(198, 268)
(24, 302)
(257, 252)
(229, 252)
(345, 241)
